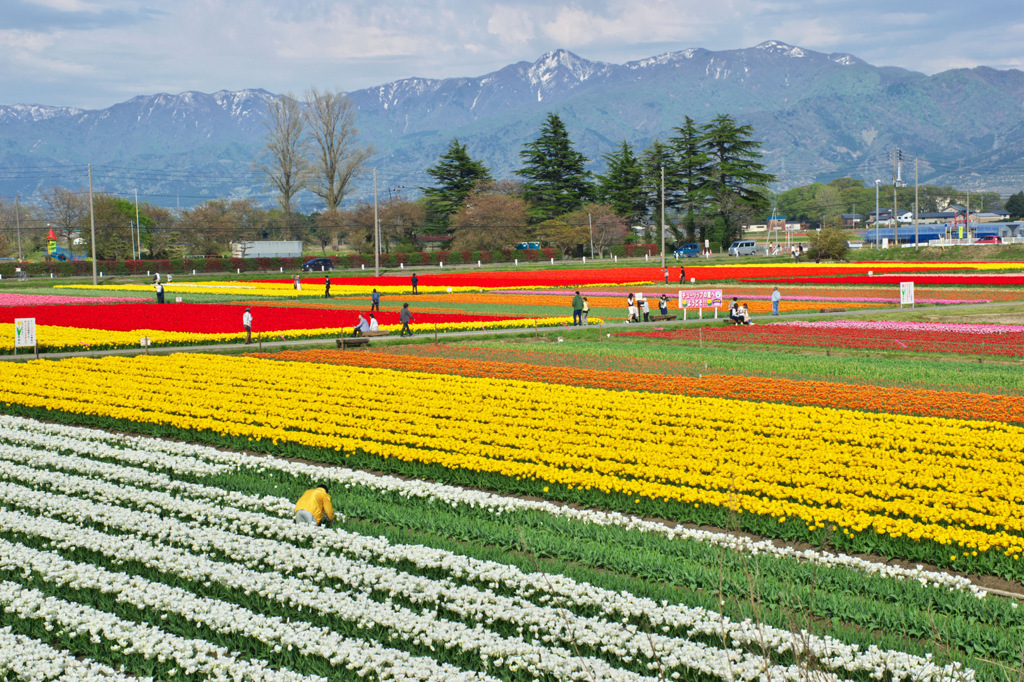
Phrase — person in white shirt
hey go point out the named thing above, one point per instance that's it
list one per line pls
(247, 323)
(373, 323)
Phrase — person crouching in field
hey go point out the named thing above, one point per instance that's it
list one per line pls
(314, 507)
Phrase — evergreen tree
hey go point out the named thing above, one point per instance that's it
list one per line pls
(738, 181)
(657, 156)
(555, 180)
(1015, 205)
(457, 175)
(622, 184)
(692, 170)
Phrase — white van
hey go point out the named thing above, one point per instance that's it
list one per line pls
(746, 247)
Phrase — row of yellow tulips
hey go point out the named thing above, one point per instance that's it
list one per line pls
(954, 482)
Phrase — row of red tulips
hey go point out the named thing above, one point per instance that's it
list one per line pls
(210, 318)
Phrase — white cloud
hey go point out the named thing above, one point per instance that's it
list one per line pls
(129, 47)
(68, 5)
(513, 26)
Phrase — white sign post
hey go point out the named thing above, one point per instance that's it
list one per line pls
(907, 294)
(24, 333)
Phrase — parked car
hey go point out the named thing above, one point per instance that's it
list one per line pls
(318, 265)
(991, 239)
(746, 247)
(687, 251)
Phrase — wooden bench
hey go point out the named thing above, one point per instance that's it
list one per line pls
(662, 318)
(355, 341)
(352, 342)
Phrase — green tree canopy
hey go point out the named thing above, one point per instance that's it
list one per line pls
(738, 181)
(622, 184)
(555, 180)
(692, 170)
(457, 175)
(1015, 205)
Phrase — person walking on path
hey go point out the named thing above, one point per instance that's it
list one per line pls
(415, 284)
(375, 300)
(159, 293)
(298, 282)
(682, 275)
(577, 309)
(776, 297)
(645, 307)
(247, 323)
(327, 286)
(586, 310)
(405, 317)
(664, 271)
(314, 507)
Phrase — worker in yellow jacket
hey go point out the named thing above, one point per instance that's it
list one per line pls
(314, 507)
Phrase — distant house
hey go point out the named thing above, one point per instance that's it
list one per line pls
(851, 219)
(884, 216)
(776, 223)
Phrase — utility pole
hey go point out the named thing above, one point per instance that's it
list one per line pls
(916, 205)
(895, 184)
(17, 223)
(376, 229)
(92, 228)
(877, 183)
(662, 217)
(967, 218)
(590, 220)
(138, 225)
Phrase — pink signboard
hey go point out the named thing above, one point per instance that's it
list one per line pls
(700, 298)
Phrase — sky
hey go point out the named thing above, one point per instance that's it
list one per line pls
(95, 53)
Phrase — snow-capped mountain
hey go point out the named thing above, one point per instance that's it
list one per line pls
(819, 115)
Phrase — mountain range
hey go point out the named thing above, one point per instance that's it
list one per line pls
(819, 116)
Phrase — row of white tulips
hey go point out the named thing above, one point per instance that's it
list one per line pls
(163, 454)
(363, 656)
(468, 602)
(419, 628)
(78, 620)
(29, 659)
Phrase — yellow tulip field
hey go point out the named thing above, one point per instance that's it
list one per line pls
(952, 482)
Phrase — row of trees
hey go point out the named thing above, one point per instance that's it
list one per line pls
(709, 179)
(822, 205)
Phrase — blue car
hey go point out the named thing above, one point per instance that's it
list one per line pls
(687, 251)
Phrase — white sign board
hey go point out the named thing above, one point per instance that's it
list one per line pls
(906, 294)
(25, 332)
(700, 298)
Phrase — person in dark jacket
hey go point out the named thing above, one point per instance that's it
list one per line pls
(406, 317)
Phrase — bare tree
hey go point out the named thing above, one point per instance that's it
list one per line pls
(8, 247)
(603, 227)
(490, 221)
(336, 156)
(63, 210)
(286, 146)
